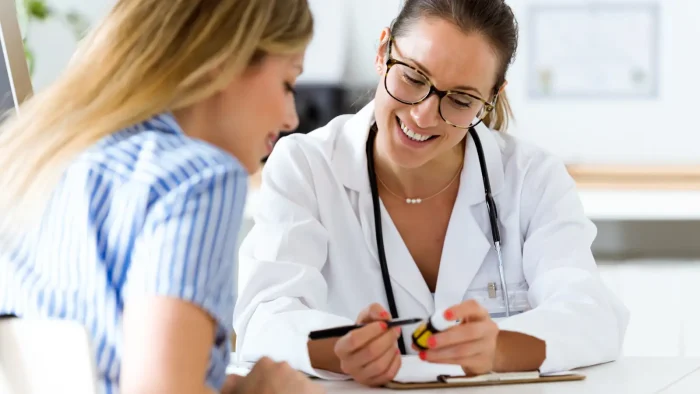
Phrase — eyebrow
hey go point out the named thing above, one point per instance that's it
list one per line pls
(425, 70)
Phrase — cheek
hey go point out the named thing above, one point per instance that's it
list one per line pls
(255, 112)
(454, 137)
(386, 106)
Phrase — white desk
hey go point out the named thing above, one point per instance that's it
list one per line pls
(689, 384)
(626, 376)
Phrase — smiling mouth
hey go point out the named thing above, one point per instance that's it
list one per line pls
(270, 141)
(412, 135)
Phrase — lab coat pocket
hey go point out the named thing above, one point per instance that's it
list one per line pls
(492, 299)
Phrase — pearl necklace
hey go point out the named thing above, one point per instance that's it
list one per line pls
(420, 200)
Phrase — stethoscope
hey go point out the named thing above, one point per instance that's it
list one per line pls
(490, 204)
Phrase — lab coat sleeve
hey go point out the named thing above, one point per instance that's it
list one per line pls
(283, 292)
(580, 320)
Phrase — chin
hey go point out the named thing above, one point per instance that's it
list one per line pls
(251, 163)
(254, 166)
(404, 159)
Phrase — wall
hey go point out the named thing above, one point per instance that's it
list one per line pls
(596, 131)
(53, 43)
(659, 130)
(647, 131)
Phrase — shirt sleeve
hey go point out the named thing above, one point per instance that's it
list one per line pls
(574, 313)
(186, 249)
(284, 294)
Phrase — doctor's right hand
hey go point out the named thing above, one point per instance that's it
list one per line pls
(370, 355)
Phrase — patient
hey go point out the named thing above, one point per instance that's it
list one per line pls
(123, 185)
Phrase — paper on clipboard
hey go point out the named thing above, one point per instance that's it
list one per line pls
(415, 370)
(494, 377)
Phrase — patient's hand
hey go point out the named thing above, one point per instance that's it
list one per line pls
(269, 377)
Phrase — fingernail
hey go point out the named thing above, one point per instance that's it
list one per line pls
(422, 355)
(449, 315)
(432, 342)
(398, 351)
(384, 315)
(384, 325)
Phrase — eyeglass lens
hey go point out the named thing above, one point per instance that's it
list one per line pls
(410, 87)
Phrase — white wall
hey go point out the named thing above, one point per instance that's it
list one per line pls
(649, 131)
(53, 42)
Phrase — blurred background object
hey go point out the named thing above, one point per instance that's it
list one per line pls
(30, 12)
(15, 82)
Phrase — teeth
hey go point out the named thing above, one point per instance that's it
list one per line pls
(411, 134)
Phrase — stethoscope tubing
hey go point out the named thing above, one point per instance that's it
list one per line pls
(493, 219)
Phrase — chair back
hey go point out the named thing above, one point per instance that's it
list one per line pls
(46, 356)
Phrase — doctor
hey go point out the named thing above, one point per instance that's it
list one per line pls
(421, 203)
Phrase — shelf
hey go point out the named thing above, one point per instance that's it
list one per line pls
(636, 177)
(604, 204)
(631, 198)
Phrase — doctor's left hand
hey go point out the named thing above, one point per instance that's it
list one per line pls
(471, 344)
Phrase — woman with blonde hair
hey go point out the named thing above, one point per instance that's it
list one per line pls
(124, 184)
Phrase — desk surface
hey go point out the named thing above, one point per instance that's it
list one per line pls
(689, 384)
(638, 375)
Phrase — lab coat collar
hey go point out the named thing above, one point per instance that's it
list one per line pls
(350, 160)
(466, 242)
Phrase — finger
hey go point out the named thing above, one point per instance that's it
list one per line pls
(374, 350)
(463, 333)
(263, 364)
(378, 366)
(477, 364)
(373, 313)
(389, 373)
(467, 311)
(461, 352)
(359, 338)
(231, 382)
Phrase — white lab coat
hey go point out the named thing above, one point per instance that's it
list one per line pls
(311, 262)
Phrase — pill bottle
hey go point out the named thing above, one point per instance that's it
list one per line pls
(433, 325)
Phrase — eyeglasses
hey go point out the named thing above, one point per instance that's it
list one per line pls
(411, 86)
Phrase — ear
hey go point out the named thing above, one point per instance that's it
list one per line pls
(503, 87)
(379, 60)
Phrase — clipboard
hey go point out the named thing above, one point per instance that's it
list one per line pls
(494, 379)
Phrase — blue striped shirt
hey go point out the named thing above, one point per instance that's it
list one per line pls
(145, 211)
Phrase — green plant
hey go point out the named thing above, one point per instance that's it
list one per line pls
(33, 11)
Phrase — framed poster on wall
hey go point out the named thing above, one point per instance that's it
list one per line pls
(595, 50)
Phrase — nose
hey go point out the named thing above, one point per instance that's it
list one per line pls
(291, 119)
(425, 113)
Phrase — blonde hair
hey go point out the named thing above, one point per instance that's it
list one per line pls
(501, 116)
(145, 58)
